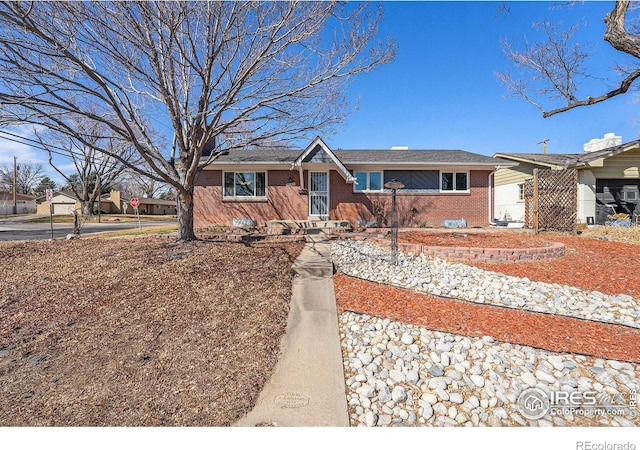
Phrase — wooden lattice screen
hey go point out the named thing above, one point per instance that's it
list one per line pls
(557, 192)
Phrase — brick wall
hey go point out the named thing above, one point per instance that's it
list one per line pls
(285, 202)
(414, 210)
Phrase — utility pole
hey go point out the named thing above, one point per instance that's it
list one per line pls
(15, 187)
(99, 194)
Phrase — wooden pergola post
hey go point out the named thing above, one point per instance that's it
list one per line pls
(535, 201)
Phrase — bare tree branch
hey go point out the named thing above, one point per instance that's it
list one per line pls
(95, 170)
(556, 67)
(236, 74)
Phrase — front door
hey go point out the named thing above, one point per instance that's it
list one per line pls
(318, 195)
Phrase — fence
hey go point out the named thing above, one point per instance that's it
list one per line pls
(551, 200)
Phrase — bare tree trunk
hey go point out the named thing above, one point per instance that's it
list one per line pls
(185, 216)
(87, 210)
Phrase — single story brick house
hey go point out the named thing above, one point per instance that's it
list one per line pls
(608, 177)
(319, 183)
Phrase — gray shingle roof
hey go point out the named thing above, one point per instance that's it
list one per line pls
(568, 159)
(258, 156)
(351, 157)
(413, 157)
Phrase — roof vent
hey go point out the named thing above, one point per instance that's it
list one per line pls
(400, 147)
(609, 140)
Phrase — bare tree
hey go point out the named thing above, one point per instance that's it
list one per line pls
(28, 175)
(219, 74)
(555, 68)
(138, 185)
(95, 170)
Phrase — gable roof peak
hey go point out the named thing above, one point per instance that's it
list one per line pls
(318, 142)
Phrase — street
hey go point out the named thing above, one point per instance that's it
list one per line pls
(14, 231)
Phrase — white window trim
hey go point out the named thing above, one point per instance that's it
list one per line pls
(245, 197)
(369, 172)
(454, 190)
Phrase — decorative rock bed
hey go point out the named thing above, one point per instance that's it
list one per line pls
(370, 261)
(399, 374)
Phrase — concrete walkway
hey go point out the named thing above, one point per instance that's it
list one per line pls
(307, 388)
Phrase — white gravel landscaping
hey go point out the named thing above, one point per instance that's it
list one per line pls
(404, 375)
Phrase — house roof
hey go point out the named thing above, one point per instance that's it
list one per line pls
(422, 156)
(68, 195)
(8, 195)
(569, 160)
(155, 201)
(360, 157)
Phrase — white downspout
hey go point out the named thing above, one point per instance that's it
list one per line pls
(490, 187)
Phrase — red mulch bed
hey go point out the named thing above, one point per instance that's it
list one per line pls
(555, 333)
(604, 266)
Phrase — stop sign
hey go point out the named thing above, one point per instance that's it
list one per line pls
(135, 202)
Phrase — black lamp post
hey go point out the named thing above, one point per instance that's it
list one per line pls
(394, 185)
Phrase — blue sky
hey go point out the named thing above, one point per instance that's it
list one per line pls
(441, 90)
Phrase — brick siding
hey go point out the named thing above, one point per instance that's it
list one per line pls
(286, 202)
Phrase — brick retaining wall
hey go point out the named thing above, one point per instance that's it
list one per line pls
(487, 254)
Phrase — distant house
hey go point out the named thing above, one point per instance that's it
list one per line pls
(155, 206)
(112, 203)
(608, 177)
(25, 204)
(62, 203)
(319, 184)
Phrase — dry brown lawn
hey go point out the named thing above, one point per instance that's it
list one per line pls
(138, 331)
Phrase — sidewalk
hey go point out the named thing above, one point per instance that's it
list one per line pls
(307, 388)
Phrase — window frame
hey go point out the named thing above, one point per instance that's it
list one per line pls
(520, 191)
(454, 181)
(368, 181)
(255, 185)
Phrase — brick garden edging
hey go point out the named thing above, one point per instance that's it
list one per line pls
(555, 250)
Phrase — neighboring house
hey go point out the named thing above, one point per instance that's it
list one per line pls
(156, 206)
(62, 203)
(116, 203)
(25, 204)
(608, 176)
(111, 203)
(323, 184)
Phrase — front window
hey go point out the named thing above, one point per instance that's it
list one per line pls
(368, 181)
(521, 192)
(244, 184)
(454, 181)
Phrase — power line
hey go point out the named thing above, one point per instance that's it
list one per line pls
(39, 146)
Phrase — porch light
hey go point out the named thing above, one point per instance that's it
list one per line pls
(394, 185)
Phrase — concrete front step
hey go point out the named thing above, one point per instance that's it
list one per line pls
(309, 224)
(315, 259)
